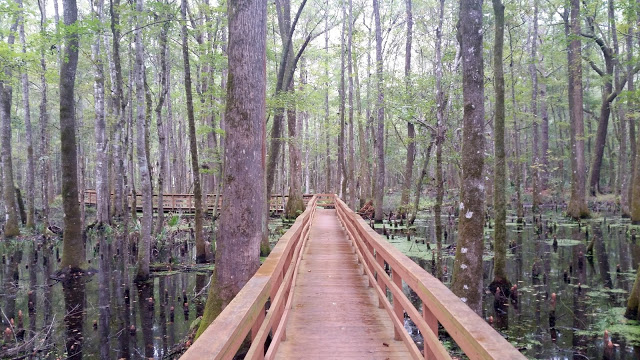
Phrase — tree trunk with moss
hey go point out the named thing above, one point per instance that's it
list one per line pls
(633, 303)
(499, 184)
(243, 219)
(73, 253)
(31, 190)
(467, 275)
(380, 169)
(577, 204)
(201, 256)
(439, 135)
(144, 247)
(411, 131)
(6, 92)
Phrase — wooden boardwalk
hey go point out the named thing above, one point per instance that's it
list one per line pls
(334, 289)
(335, 314)
(186, 203)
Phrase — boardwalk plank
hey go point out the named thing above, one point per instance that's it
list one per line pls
(334, 313)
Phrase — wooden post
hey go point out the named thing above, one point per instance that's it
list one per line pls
(380, 261)
(432, 322)
(397, 308)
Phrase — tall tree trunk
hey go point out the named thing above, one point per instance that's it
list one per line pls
(516, 135)
(327, 186)
(411, 131)
(379, 194)
(440, 136)
(350, 144)
(295, 205)
(535, 163)
(244, 188)
(635, 187)
(31, 189)
(162, 162)
(201, 256)
(119, 109)
(363, 145)
(577, 204)
(467, 275)
(342, 168)
(627, 191)
(44, 123)
(544, 141)
(144, 247)
(102, 167)
(420, 183)
(500, 180)
(6, 92)
(73, 253)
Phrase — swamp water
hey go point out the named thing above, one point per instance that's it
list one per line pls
(591, 287)
(104, 314)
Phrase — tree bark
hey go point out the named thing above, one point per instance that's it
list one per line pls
(411, 131)
(467, 276)
(379, 194)
(120, 202)
(327, 186)
(144, 247)
(577, 204)
(350, 144)
(420, 183)
(30, 195)
(439, 140)
(499, 182)
(201, 256)
(342, 177)
(11, 227)
(516, 136)
(242, 221)
(162, 162)
(44, 123)
(535, 163)
(102, 167)
(73, 253)
(627, 190)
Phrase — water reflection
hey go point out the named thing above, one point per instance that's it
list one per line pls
(73, 286)
(101, 315)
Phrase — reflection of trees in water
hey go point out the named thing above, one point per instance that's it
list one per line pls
(146, 305)
(122, 302)
(73, 287)
(104, 296)
(164, 295)
(11, 278)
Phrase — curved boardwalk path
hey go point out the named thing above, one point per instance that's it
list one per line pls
(335, 314)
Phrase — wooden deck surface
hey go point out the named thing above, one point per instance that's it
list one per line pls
(334, 313)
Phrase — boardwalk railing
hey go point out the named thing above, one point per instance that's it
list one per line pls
(473, 335)
(185, 202)
(248, 312)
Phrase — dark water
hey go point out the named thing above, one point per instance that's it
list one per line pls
(591, 287)
(99, 315)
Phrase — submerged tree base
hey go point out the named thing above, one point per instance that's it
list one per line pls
(213, 308)
(503, 284)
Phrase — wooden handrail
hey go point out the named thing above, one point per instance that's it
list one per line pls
(473, 335)
(247, 312)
